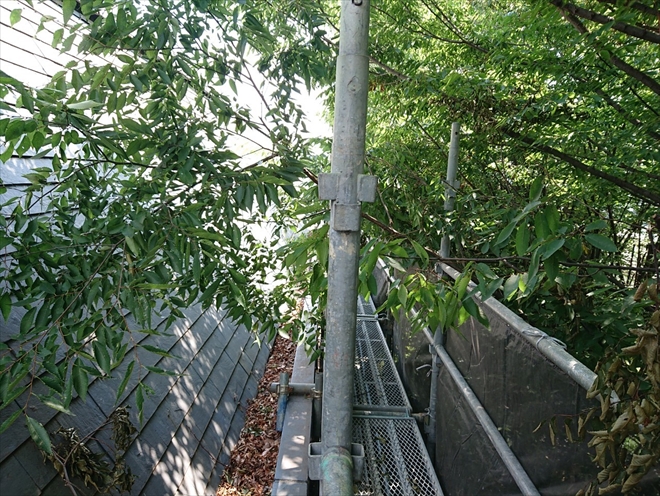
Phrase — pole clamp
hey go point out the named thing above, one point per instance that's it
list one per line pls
(330, 183)
(452, 188)
(346, 216)
(316, 452)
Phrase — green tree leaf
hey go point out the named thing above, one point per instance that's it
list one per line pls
(421, 253)
(552, 218)
(403, 295)
(5, 306)
(27, 321)
(80, 379)
(68, 7)
(139, 401)
(551, 266)
(15, 129)
(511, 286)
(601, 242)
(102, 356)
(156, 350)
(55, 405)
(124, 381)
(536, 189)
(522, 240)
(39, 435)
(15, 16)
(551, 248)
(10, 420)
(88, 104)
(506, 232)
(596, 225)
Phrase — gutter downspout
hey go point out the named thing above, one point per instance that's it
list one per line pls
(438, 337)
(345, 187)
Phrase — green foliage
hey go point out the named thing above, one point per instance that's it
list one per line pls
(152, 196)
(162, 177)
(434, 303)
(39, 435)
(549, 198)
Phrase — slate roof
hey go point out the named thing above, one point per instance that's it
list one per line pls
(190, 424)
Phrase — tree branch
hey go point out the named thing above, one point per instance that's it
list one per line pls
(623, 66)
(440, 15)
(641, 193)
(635, 5)
(637, 32)
(625, 114)
(388, 69)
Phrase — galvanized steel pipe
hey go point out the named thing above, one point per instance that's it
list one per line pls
(347, 163)
(451, 185)
(282, 400)
(335, 463)
(438, 337)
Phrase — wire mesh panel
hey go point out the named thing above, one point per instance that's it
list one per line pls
(366, 307)
(376, 379)
(396, 461)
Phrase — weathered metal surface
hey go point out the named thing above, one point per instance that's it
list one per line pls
(396, 460)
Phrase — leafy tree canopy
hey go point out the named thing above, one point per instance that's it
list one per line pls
(150, 207)
(560, 154)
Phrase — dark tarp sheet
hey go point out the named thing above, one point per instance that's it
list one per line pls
(520, 389)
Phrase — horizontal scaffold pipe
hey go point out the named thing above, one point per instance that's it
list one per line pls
(549, 348)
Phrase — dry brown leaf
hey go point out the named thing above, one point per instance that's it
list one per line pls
(641, 291)
(251, 469)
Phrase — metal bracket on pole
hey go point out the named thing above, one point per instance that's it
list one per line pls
(329, 184)
(346, 217)
(367, 188)
(451, 188)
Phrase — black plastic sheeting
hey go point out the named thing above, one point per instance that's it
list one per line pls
(520, 389)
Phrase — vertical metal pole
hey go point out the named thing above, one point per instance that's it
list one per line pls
(450, 188)
(347, 164)
(450, 196)
(282, 400)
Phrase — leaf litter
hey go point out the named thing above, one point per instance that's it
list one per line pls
(251, 468)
